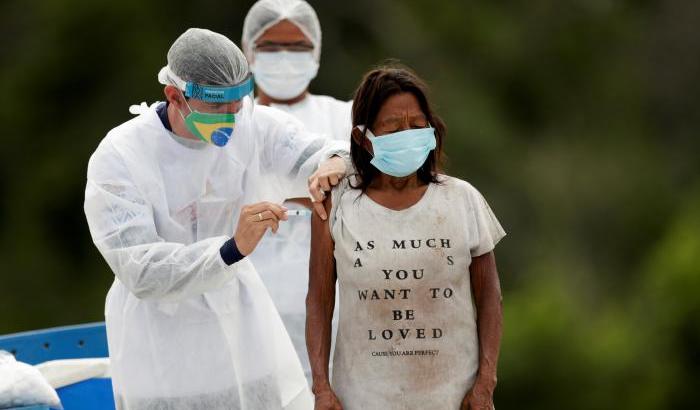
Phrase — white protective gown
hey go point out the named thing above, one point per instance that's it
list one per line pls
(283, 259)
(186, 331)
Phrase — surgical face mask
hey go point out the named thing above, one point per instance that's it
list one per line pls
(284, 75)
(400, 154)
(210, 127)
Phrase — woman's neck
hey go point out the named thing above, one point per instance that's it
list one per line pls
(396, 193)
(384, 182)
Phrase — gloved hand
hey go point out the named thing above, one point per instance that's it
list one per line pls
(254, 221)
(328, 174)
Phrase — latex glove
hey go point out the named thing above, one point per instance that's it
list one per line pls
(254, 220)
(328, 175)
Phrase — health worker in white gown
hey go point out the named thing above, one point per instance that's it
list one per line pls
(282, 40)
(176, 200)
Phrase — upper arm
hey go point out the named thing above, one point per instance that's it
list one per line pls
(483, 273)
(290, 152)
(284, 137)
(322, 263)
(117, 213)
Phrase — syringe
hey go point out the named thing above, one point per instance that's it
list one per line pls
(299, 212)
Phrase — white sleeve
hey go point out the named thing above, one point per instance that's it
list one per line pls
(336, 195)
(343, 121)
(292, 152)
(488, 230)
(123, 228)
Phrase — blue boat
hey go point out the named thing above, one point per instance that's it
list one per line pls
(67, 342)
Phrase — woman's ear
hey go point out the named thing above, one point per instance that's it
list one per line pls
(361, 140)
(357, 136)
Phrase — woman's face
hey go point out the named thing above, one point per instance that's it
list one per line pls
(399, 112)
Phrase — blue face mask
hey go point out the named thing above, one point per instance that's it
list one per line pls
(400, 154)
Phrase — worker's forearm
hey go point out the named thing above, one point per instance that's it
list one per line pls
(170, 271)
(317, 151)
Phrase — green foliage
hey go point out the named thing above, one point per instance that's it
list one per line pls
(577, 119)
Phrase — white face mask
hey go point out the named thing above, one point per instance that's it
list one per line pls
(284, 75)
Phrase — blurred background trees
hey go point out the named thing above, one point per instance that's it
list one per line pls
(577, 119)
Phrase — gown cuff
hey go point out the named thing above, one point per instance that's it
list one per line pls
(230, 253)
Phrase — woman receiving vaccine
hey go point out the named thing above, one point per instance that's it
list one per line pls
(412, 252)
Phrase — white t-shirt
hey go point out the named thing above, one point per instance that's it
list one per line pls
(407, 336)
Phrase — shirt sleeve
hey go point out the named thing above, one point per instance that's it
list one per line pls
(487, 228)
(293, 152)
(336, 194)
(123, 228)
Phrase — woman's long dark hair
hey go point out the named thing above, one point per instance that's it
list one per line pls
(376, 87)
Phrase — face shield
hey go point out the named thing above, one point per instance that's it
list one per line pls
(223, 108)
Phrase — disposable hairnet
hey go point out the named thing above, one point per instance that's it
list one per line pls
(204, 57)
(266, 13)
